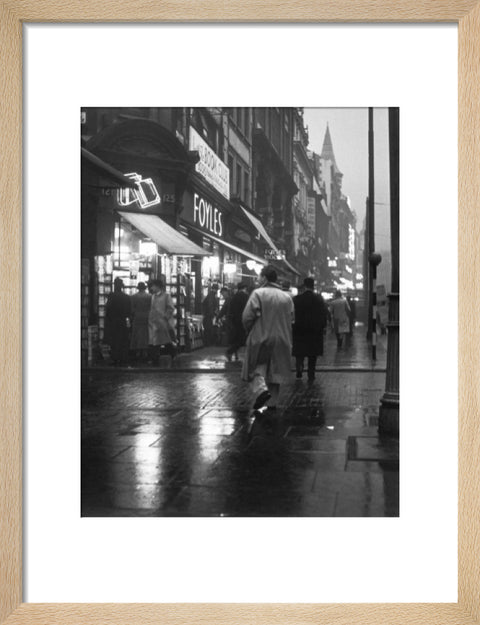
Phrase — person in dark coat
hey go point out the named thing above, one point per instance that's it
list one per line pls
(236, 331)
(310, 321)
(117, 321)
(223, 320)
(210, 306)
(141, 303)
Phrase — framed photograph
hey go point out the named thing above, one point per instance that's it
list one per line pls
(185, 210)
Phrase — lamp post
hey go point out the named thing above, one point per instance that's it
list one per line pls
(374, 260)
(388, 422)
(370, 217)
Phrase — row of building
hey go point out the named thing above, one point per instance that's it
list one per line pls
(201, 196)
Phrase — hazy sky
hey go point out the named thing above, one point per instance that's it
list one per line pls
(349, 133)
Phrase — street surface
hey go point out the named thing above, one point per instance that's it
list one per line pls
(185, 443)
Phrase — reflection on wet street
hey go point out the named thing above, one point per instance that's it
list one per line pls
(178, 444)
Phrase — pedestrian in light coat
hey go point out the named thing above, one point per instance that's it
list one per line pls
(267, 318)
(160, 321)
(340, 311)
(353, 313)
(310, 321)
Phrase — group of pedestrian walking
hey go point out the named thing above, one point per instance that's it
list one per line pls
(272, 324)
(139, 324)
(279, 326)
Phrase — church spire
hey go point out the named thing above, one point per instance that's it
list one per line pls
(327, 150)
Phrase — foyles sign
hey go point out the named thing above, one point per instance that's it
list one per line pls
(207, 215)
(210, 166)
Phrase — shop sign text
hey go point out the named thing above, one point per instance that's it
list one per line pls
(207, 215)
(212, 168)
(270, 254)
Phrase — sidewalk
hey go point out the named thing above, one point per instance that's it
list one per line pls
(172, 445)
(355, 355)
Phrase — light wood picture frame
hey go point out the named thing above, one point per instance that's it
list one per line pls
(15, 13)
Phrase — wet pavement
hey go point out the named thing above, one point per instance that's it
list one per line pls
(354, 355)
(173, 443)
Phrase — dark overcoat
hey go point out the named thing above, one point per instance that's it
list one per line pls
(236, 331)
(310, 321)
(117, 310)
(141, 304)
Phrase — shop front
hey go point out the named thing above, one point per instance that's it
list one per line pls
(98, 178)
(129, 230)
(147, 247)
(144, 247)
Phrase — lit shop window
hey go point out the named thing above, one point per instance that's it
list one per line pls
(230, 267)
(254, 266)
(147, 248)
(119, 232)
(145, 194)
(210, 266)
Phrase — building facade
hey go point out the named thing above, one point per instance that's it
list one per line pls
(322, 224)
(303, 203)
(273, 184)
(342, 237)
(170, 192)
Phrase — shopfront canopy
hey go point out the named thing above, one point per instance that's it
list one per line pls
(167, 238)
(261, 230)
(290, 267)
(234, 248)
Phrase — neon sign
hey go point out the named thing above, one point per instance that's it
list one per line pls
(145, 194)
(207, 215)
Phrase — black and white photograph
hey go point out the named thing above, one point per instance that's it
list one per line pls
(239, 312)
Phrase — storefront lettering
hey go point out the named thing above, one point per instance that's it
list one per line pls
(210, 166)
(207, 216)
